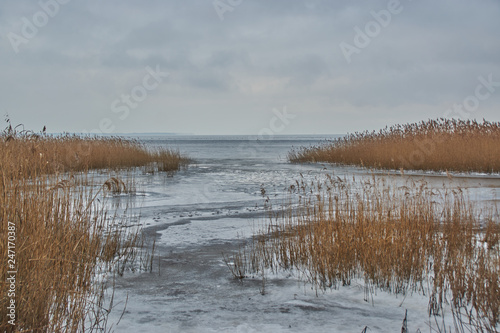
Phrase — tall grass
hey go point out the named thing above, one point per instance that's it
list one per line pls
(402, 239)
(63, 236)
(56, 154)
(439, 145)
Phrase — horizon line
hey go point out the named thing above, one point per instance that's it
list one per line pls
(190, 134)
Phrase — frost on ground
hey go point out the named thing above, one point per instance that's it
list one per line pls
(210, 210)
(194, 292)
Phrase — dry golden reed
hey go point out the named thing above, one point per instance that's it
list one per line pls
(439, 145)
(399, 238)
(64, 153)
(63, 236)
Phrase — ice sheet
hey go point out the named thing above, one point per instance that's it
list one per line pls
(208, 210)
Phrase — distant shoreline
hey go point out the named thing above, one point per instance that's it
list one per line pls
(193, 134)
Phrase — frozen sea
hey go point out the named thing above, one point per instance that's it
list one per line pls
(210, 209)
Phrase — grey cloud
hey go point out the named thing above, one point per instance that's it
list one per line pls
(263, 53)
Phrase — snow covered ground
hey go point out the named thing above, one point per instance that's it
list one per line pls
(210, 209)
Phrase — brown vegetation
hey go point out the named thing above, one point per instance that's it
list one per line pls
(439, 145)
(402, 239)
(56, 154)
(54, 233)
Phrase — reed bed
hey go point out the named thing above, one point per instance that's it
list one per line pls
(437, 145)
(398, 238)
(57, 154)
(59, 238)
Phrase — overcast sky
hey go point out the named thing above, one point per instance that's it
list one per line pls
(244, 66)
